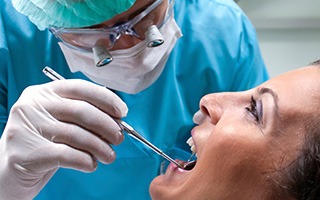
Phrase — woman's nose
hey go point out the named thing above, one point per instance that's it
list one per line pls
(211, 108)
(214, 105)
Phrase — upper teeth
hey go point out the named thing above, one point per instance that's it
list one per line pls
(190, 142)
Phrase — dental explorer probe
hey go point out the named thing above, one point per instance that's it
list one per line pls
(123, 125)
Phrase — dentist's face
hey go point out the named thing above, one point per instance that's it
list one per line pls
(244, 138)
(154, 17)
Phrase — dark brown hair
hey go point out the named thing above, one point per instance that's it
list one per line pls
(315, 63)
(301, 179)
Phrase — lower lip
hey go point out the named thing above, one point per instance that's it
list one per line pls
(174, 173)
(173, 167)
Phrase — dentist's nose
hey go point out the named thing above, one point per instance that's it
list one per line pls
(125, 41)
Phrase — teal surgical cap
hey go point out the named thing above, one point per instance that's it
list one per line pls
(70, 13)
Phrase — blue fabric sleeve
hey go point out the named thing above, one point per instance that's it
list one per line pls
(251, 70)
(3, 72)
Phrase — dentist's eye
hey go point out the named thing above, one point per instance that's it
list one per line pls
(255, 109)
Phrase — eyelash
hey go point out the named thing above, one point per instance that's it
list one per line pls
(253, 109)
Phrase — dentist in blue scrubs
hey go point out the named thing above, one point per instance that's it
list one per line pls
(147, 62)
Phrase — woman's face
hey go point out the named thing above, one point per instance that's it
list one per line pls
(244, 138)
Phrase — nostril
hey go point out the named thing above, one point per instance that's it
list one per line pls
(213, 113)
(212, 107)
(204, 110)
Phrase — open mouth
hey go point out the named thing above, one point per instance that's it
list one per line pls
(189, 165)
(183, 165)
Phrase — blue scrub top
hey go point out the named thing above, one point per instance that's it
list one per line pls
(218, 52)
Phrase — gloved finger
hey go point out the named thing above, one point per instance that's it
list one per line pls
(94, 94)
(79, 138)
(58, 155)
(88, 117)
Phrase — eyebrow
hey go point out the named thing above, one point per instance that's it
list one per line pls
(275, 97)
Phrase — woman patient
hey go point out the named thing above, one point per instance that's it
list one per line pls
(258, 144)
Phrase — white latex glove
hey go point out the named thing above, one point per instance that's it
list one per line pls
(59, 124)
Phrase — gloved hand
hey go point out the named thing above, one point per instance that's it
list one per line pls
(63, 123)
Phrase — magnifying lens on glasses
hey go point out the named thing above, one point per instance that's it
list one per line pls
(101, 56)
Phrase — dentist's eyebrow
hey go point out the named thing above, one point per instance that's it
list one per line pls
(265, 90)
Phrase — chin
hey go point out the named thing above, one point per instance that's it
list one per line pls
(159, 191)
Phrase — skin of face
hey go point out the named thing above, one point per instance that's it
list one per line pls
(238, 154)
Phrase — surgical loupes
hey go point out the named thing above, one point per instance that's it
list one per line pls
(101, 56)
(153, 36)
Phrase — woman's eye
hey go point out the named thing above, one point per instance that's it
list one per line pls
(255, 109)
